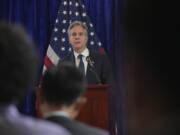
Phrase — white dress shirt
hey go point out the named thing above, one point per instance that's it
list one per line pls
(85, 53)
(56, 113)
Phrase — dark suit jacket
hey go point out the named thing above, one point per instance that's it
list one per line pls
(100, 72)
(75, 127)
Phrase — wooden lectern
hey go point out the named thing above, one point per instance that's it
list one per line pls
(95, 112)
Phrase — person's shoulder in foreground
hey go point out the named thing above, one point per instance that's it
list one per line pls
(11, 122)
(77, 127)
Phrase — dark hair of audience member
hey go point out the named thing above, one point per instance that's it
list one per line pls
(18, 61)
(67, 84)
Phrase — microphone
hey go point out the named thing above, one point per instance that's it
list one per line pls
(91, 64)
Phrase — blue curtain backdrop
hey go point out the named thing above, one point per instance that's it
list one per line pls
(38, 17)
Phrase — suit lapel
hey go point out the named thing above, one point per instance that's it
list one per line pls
(70, 57)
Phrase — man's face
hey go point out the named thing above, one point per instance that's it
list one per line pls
(78, 38)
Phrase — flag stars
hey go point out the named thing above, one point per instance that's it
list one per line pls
(76, 13)
(63, 30)
(91, 25)
(83, 6)
(62, 48)
(99, 43)
(76, 4)
(57, 20)
(63, 39)
(55, 38)
(92, 33)
(83, 14)
(70, 12)
(92, 42)
(64, 21)
(64, 12)
(55, 29)
(70, 2)
(65, 3)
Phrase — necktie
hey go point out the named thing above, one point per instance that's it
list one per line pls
(81, 64)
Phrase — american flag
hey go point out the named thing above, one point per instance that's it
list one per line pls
(59, 47)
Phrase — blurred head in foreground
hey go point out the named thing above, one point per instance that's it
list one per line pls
(152, 67)
(62, 89)
(18, 61)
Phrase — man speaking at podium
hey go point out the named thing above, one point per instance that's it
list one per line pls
(95, 66)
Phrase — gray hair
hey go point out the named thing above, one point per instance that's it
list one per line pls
(77, 23)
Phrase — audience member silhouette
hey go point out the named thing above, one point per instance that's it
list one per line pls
(18, 61)
(62, 97)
